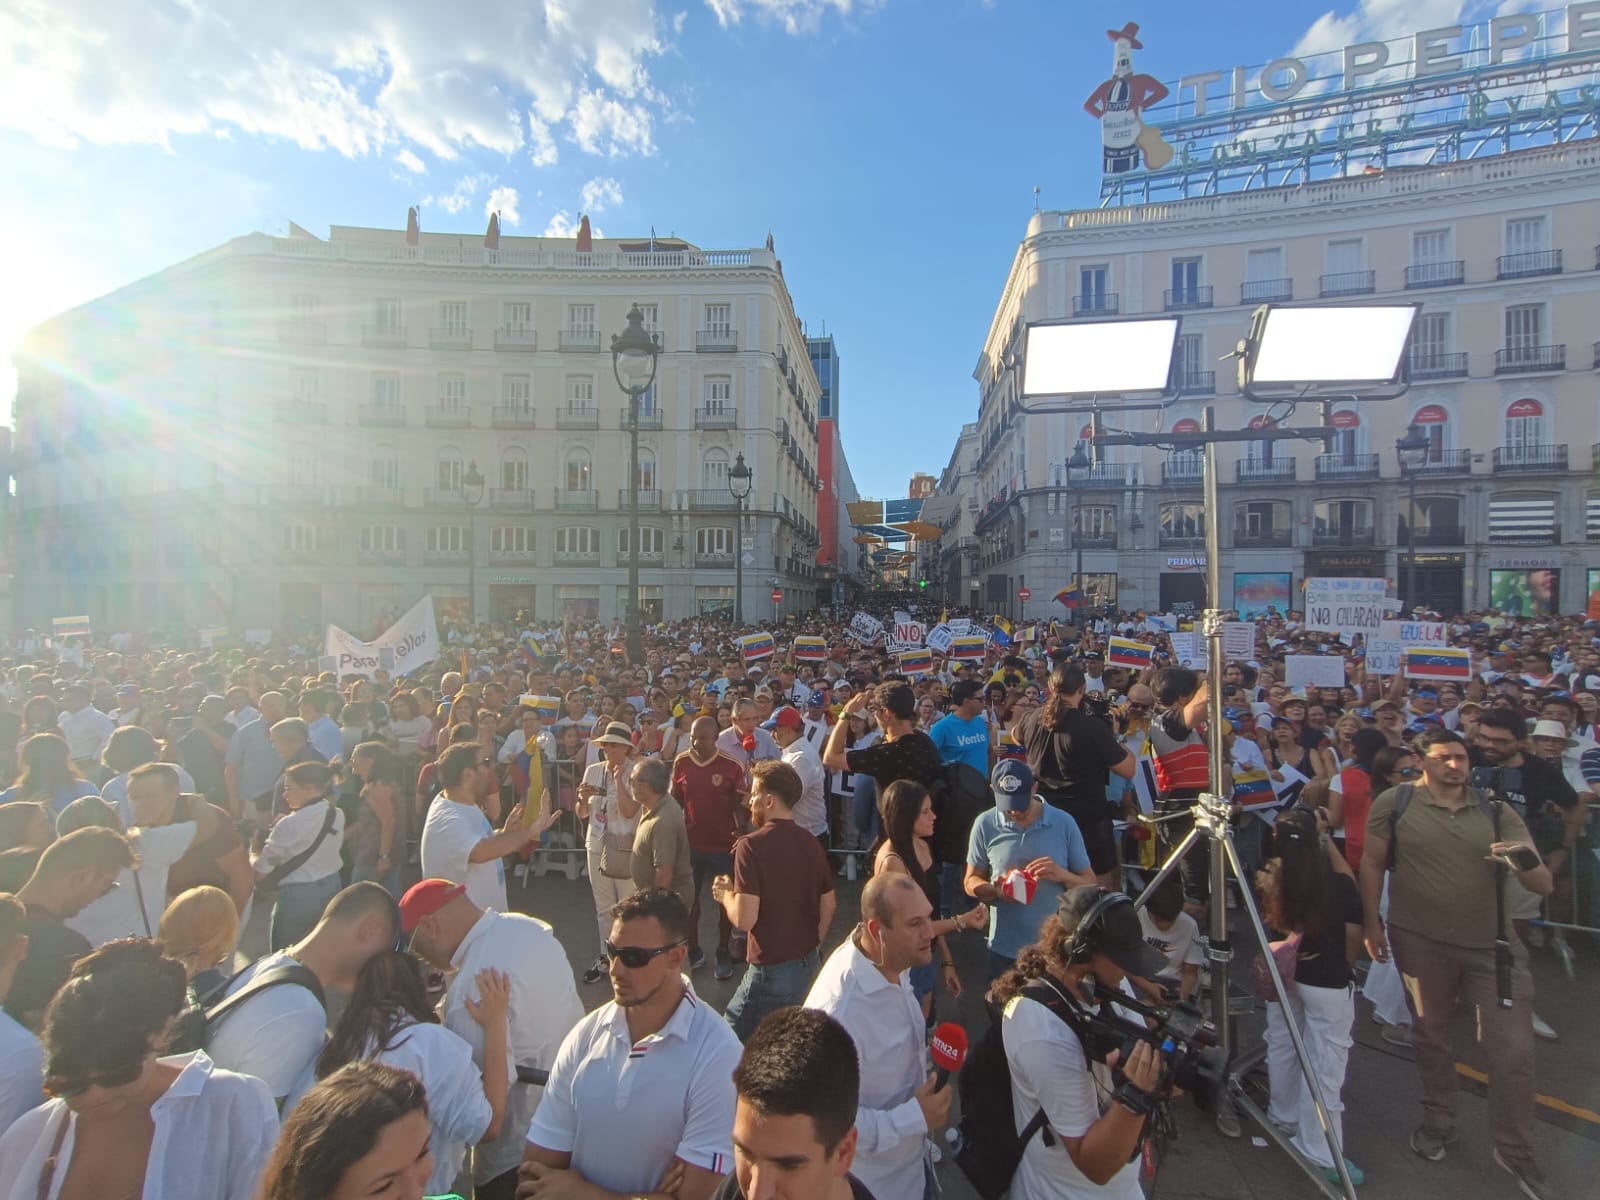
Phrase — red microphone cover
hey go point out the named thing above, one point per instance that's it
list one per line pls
(748, 743)
(949, 1046)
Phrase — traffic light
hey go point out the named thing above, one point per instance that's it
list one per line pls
(922, 583)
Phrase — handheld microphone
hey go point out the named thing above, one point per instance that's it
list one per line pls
(748, 743)
(949, 1051)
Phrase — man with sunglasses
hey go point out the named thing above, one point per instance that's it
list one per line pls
(451, 933)
(640, 1100)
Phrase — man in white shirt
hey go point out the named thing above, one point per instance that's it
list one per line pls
(788, 729)
(454, 934)
(277, 1033)
(459, 843)
(642, 1088)
(21, 1055)
(85, 727)
(864, 985)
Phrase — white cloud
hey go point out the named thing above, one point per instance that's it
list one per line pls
(1381, 20)
(504, 200)
(459, 197)
(796, 16)
(562, 225)
(359, 79)
(411, 162)
(599, 195)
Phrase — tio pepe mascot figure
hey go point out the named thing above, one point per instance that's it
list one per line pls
(1117, 104)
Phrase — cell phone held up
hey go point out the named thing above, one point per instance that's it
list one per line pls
(1520, 858)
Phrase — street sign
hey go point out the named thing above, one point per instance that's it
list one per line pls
(777, 595)
(1024, 593)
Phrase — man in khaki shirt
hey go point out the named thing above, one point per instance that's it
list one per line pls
(661, 842)
(1448, 863)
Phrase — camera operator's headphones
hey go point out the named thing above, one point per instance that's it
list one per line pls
(1084, 939)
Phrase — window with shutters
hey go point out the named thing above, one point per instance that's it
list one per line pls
(1345, 256)
(383, 468)
(1430, 340)
(300, 537)
(453, 317)
(1264, 265)
(647, 471)
(386, 314)
(651, 314)
(305, 306)
(447, 469)
(446, 539)
(719, 320)
(1094, 285)
(516, 391)
(453, 392)
(514, 470)
(714, 470)
(382, 539)
(1525, 421)
(511, 539)
(577, 539)
(386, 390)
(580, 318)
(580, 391)
(1524, 327)
(1527, 235)
(651, 540)
(580, 471)
(714, 541)
(719, 393)
(517, 316)
(1096, 521)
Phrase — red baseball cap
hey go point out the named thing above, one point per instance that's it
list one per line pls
(424, 899)
(787, 716)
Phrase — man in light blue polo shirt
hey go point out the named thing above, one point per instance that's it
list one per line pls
(962, 735)
(1022, 831)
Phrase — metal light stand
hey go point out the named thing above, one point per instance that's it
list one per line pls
(1213, 811)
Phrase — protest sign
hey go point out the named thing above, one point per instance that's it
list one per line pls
(865, 628)
(1313, 670)
(1345, 606)
(1238, 640)
(1189, 650)
(1384, 649)
(939, 638)
(413, 642)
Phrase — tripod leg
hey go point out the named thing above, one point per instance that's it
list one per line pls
(1190, 839)
(1323, 1119)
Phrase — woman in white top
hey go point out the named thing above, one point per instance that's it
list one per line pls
(307, 837)
(391, 1020)
(125, 1123)
(606, 801)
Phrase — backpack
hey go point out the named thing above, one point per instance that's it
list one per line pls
(960, 794)
(194, 1027)
(991, 1148)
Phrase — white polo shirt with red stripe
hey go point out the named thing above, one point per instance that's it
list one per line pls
(624, 1110)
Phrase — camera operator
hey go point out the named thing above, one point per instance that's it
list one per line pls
(1452, 849)
(1183, 771)
(1070, 752)
(1543, 799)
(1092, 1125)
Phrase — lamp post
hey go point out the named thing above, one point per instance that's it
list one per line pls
(634, 355)
(471, 497)
(1078, 462)
(739, 478)
(1412, 451)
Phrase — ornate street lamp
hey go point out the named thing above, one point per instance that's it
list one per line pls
(634, 354)
(739, 479)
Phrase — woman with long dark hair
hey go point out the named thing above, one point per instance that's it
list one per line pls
(905, 811)
(126, 1122)
(1350, 794)
(362, 1132)
(390, 1019)
(1304, 898)
(47, 775)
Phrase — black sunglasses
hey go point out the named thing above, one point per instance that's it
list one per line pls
(634, 957)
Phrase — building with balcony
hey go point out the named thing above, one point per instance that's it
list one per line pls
(1500, 253)
(285, 431)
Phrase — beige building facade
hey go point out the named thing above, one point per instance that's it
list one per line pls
(285, 431)
(1500, 253)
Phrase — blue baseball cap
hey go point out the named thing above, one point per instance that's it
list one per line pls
(1013, 785)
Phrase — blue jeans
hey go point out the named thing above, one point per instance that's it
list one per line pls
(298, 908)
(766, 988)
(866, 810)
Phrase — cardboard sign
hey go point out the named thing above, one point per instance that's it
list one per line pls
(864, 627)
(1189, 650)
(1394, 638)
(1238, 640)
(1345, 606)
(939, 638)
(1313, 670)
(908, 633)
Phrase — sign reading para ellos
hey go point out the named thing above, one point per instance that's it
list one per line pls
(410, 643)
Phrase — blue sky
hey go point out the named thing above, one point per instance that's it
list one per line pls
(890, 146)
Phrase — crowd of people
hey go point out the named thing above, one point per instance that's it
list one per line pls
(268, 906)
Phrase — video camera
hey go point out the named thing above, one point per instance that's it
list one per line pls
(1098, 706)
(1190, 1050)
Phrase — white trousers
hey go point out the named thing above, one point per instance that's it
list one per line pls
(608, 893)
(1324, 1016)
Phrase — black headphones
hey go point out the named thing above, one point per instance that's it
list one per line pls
(1082, 943)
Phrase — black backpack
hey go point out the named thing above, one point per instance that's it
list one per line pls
(991, 1148)
(194, 1027)
(959, 796)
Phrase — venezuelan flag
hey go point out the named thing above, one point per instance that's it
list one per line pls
(532, 648)
(1069, 596)
(810, 649)
(548, 707)
(1125, 652)
(756, 646)
(969, 646)
(1253, 788)
(916, 662)
(1008, 747)
(1002, 631)
(1439, 662)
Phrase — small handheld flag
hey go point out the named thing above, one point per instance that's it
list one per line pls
(532, 648)
(1125, 652)
(1070, 597)
(548, 707)
(916, 662)
(756, 646)
(1439, 662)
(810, 649)
(1252, 789)
(969, 647)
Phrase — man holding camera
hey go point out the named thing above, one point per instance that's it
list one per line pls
(1452, 848)
(1085, 1149)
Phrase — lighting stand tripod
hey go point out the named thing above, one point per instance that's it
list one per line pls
(1212, 811)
